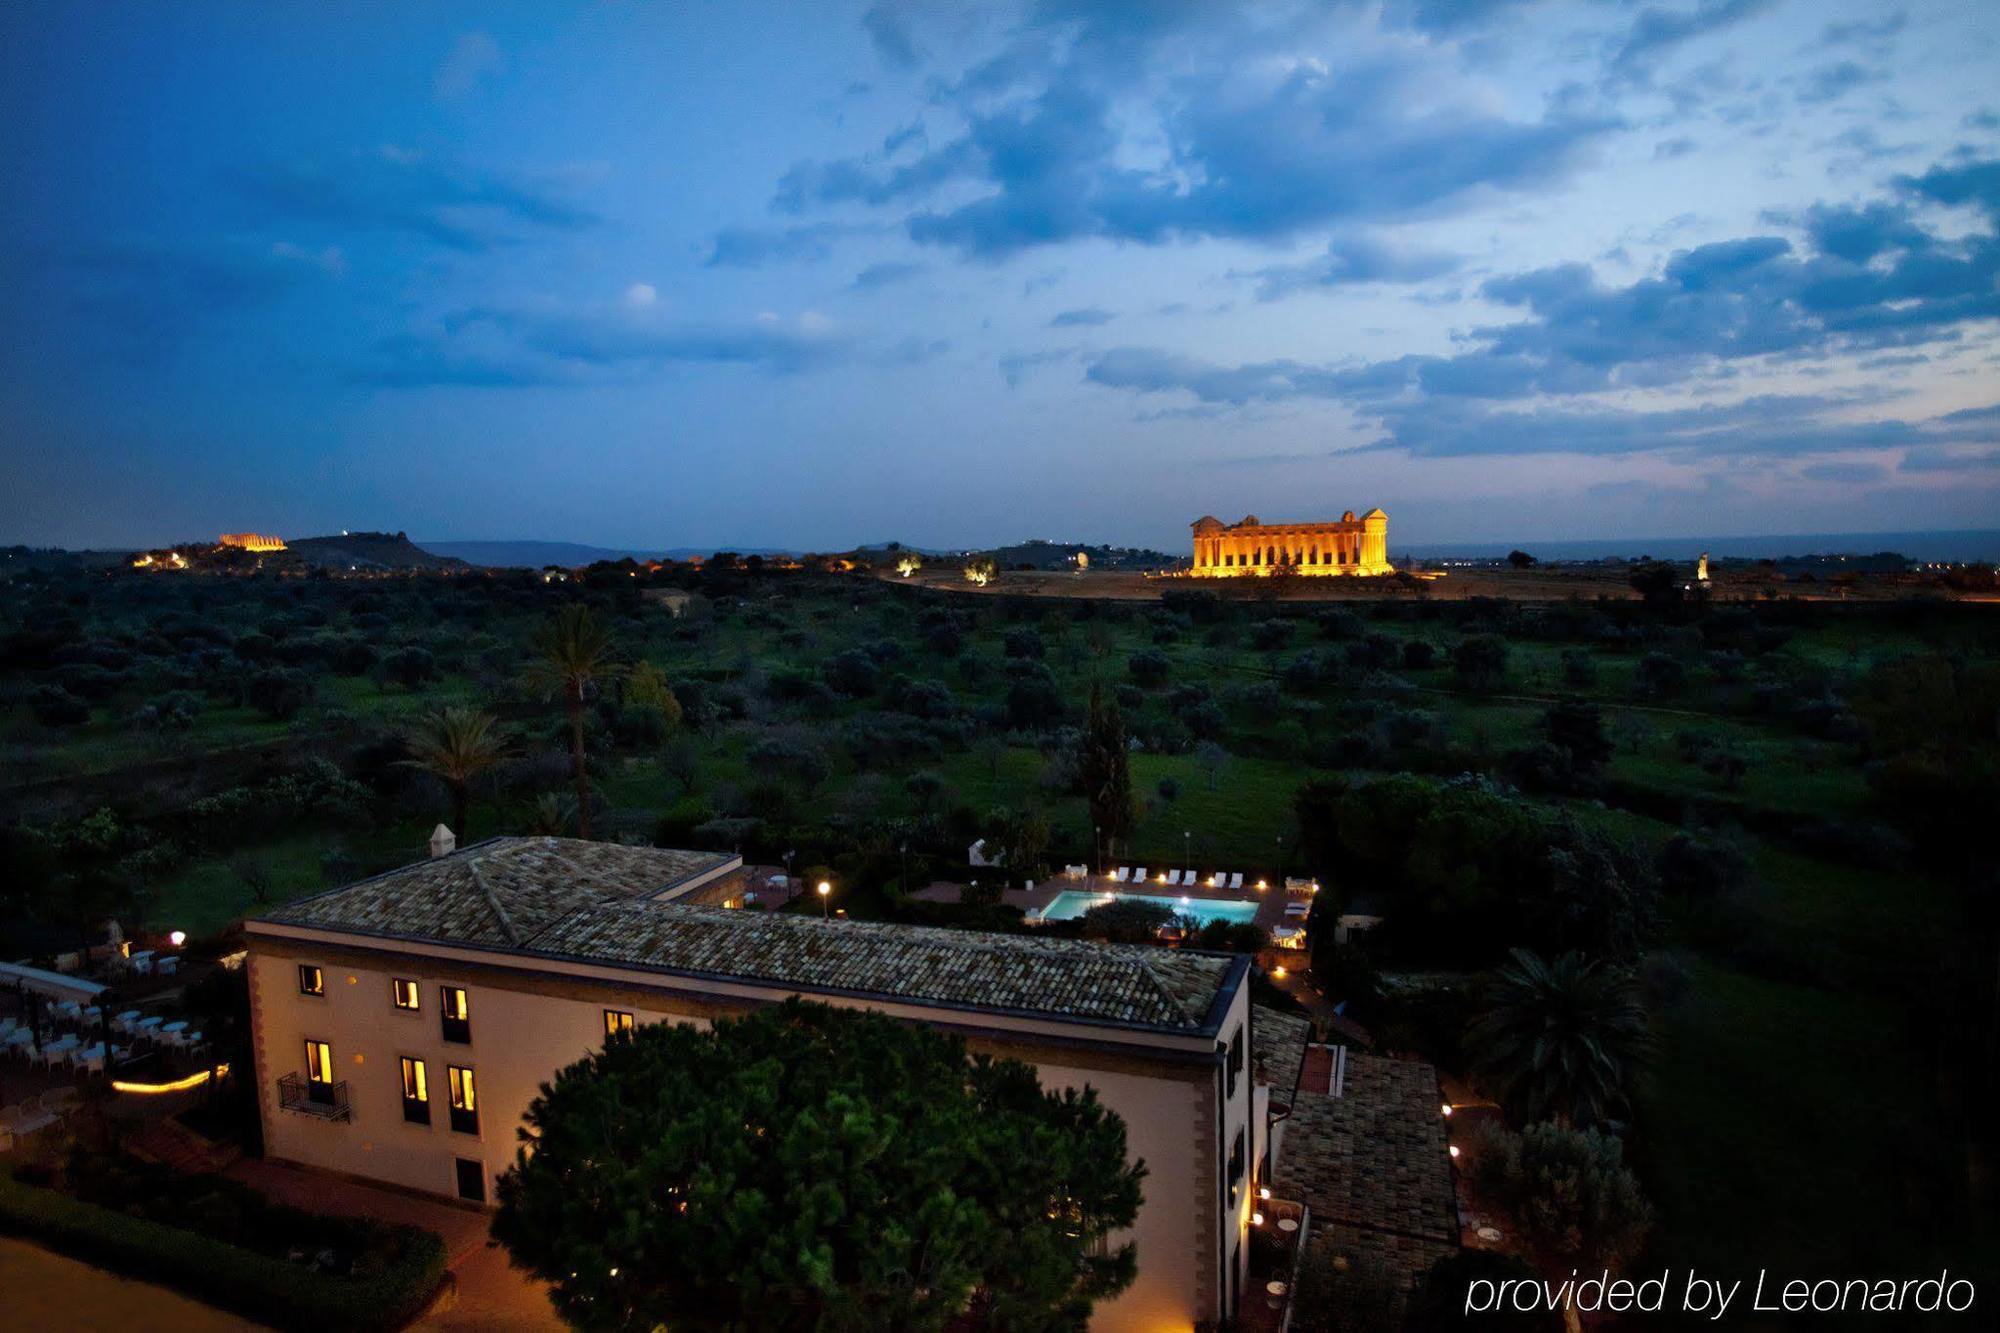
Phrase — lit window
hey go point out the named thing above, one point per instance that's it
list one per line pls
(319, 1062)
(464, 1103)
(311, 980)
(616, 1021)
(457, 1019)
(416, 1092)
(405, 994)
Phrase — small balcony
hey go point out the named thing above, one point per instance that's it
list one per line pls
(327, 1101)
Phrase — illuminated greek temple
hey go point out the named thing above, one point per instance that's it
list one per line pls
(1350, 546)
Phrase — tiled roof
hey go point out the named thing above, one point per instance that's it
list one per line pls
(593, 902)
(1277, 1047)
(501, 892)
(1376, 1156)
(1372, 1166)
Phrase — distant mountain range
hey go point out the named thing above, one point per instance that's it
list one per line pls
(568, 555)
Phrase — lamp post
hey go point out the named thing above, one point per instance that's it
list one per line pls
(824, 890)
(1097, 842)
(1187, 849)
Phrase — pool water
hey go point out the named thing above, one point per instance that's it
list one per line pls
(1071, 904)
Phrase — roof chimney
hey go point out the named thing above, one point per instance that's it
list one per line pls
(443, 841)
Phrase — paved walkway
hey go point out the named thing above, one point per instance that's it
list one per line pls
(491, 1294)
(53, 1294)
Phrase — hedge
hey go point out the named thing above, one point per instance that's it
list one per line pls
(272, 1291)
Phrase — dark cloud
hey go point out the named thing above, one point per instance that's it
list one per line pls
(1350, 260)
(1086, 317)
(1656, 33)
(1265, 153)
(511, 346)
(890, 31)
(1829, 83)
(887, 274)
(1939, 460)
(1871, 277)
(449, 204)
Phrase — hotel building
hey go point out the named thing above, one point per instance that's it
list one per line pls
(403, 1025)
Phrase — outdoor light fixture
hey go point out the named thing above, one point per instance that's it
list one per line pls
(178, 938)
(1278, 974)
(1447, 1108)
(1256, 1219)
(824, 889)
(1454, 1150)
(1263, 1191)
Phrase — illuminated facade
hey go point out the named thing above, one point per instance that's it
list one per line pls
(402, 1026)
(251, 541)
(1350, 546)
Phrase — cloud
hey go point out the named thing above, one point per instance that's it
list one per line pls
(1657, 33)
(887, 274)
(641, 294)
(144, 296)
(1846, 474)
(1015, 365)
(754, 247)
(1276, 146)
(1829, 83)
(514, 346)
(890, 31)
(1667, 149)
(1939, 460)
(1087, 317)
(1351, 260)
(473, 58)
(393, 190)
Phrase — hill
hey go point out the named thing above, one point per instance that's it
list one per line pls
(368, 550)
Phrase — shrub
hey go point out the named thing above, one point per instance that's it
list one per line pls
(410, 667)
(55, 706)
(272, 1290)
(1480, 661)
(1148, 667)
(1573, 1198)
(1125, 921)
(279, 693)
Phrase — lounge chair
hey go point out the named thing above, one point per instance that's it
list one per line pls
(1139, 875)
(1118, 875)
(1236, 880)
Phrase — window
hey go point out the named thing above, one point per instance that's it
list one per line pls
(1235, 1060)
(464, 1104)
(319, 1070)
(471, 1179)
(311, 980)
(457, 1019)
(1237, 1162)
(616, 1021)
(416, 1092)
(404, 993)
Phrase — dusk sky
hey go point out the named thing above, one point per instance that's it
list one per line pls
(809, 275)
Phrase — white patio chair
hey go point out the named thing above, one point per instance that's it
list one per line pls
(1118, 875)
(1236, 880)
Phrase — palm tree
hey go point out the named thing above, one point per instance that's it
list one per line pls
(1559, 1039)
(572, 653)
(456, 746)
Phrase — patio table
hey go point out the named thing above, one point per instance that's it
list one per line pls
(168, 966)
(123, 1022)
(147, 1025)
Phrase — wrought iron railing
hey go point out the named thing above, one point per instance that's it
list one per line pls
(307, 1096)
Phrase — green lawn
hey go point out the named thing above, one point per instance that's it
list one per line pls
(1781, 1123)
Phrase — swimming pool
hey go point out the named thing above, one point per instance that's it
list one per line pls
(1071, 904)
